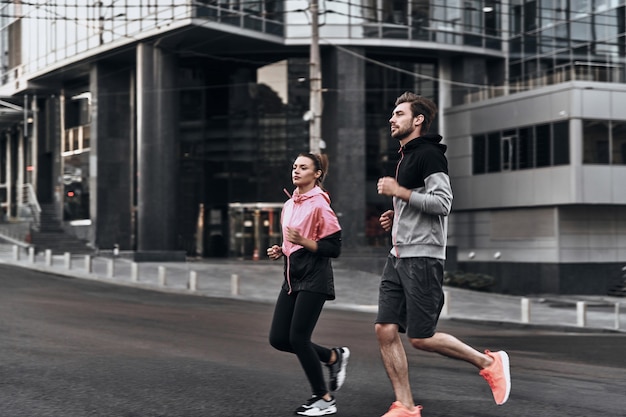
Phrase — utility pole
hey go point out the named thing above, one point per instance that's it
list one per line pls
(315, 83)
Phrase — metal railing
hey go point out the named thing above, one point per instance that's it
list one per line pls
(576, 71)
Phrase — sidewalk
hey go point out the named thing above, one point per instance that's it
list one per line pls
(355, 290)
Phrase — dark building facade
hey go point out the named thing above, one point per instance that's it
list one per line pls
(166, 128)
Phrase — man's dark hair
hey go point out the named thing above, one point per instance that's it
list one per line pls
(420, 105)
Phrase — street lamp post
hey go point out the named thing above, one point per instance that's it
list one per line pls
(315, 83)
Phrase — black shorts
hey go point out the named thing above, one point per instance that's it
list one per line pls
(411, 295)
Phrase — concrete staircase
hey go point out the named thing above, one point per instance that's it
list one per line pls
(52, 236)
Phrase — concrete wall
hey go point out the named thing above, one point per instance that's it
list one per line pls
(548, 278)
(571, 184)
(568, 249)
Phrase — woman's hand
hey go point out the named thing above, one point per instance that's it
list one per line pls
(294, 236)
(274, 252)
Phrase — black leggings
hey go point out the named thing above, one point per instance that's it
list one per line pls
(295, 317)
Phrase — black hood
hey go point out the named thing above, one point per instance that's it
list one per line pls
(429, 138)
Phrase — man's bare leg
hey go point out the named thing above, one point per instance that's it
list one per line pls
(395, 362)
(448, 345)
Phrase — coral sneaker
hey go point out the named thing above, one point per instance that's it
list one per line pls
(498, 376)
(398, 409)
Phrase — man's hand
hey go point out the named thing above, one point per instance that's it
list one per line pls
(386, 220)
(388, 186)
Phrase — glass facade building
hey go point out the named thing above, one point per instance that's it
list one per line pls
(170, 126)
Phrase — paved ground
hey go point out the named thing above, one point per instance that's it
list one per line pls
(356, 290)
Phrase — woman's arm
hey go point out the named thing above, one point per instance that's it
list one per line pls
(329, 246)
(296, 238)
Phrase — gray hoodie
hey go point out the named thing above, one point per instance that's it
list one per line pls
(420, 226)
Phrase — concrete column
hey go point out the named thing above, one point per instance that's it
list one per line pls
(576, 147)
(343, 130)
(111, 176)
(156, 149)
(445, 93)
(21, 169)
(9, 174)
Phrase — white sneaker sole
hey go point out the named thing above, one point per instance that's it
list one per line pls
(341, 375)
(507, 374)
(317, 412)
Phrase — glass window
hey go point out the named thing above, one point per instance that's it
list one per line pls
(580, 7)
(542, 137)
(530, 15)
(447, 14)
(618, 134)
(472, 16)
(491, 13)
(76, 186)
(595, 142)
(420, 14)
(582, 30)
(525, 146)
(530, 44)
(546, 40)
(547, 12)
(516, 20)
(579, 39)
(515, 72)
(493, 152)
(369, 10)
(384, 86)
(561, 143)
(508, 152)
(479, 151)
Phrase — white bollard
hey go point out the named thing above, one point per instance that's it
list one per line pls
(134, 272)
(67, 260)
(617, 321)
(88, 264)
(110, 268)
(193, 280)
(445, 310)
(31, 254)
(234, 284)
(48, 253)
(162, 276)
(525, 305)
(16, 253)
(581, 313)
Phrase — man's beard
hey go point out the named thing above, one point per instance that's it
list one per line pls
(402, 134)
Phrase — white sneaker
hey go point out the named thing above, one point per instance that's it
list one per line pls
(317, 406)
(338, 369)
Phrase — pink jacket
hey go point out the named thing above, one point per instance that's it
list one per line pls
(311, 215)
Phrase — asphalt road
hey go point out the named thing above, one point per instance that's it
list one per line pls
(73, 348)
